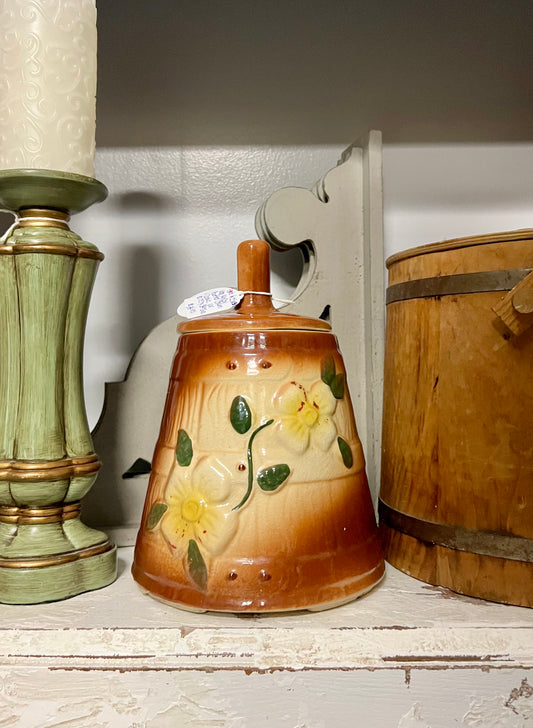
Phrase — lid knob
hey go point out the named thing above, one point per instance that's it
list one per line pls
(253, 277)
(255, 312)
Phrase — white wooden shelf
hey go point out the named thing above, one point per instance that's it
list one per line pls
(407, 654)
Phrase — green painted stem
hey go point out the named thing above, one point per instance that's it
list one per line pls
(250, 464)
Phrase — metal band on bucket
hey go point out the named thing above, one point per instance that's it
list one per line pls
(484, 543)
(482, 282)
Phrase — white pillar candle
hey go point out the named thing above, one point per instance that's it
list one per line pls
(48, 85)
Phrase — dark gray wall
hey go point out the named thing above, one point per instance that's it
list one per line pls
(178, 72)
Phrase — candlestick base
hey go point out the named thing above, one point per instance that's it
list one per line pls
(34, 580)
(22, 188)
(47, 459)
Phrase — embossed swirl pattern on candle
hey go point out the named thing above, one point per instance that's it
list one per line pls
(48, 85)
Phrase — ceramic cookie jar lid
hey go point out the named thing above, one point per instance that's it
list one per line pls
(258, 499)
(255, 312)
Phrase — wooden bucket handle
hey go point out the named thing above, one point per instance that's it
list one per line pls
(515, 310)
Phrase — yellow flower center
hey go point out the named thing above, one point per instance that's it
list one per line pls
(191, 509)
(309, 415)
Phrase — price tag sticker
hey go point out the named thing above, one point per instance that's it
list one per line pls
(208, 302)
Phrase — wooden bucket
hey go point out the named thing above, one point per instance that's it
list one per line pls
(456, 501)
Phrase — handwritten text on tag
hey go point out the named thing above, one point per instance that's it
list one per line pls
(212, 301)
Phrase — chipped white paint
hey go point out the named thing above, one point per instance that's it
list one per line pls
(326, 699)
(515, 710)
(413, 718)
(406, 655)
(273, 648)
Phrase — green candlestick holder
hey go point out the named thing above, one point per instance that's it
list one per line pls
(47, 458)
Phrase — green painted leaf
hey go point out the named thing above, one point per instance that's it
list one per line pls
(327, 369)
(346, 452)
(184, 448)
(156, 514)
(240, 415)
(274, 476)
(337, 386)
(196, 564)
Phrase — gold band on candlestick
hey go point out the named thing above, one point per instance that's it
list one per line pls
(34, 516)
(17, 473)
(103, 549)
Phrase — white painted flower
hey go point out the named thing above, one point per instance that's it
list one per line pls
(198, 508)
(305, 416)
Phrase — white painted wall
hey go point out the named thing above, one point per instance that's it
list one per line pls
(174, 217)
(440, 192)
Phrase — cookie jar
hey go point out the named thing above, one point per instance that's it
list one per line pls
(258, 499)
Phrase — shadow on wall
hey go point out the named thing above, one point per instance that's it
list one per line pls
(124, 431)
(141, 262)
(286, 269)
(142, 265)
(6, 220)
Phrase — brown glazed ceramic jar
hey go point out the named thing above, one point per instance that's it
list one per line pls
(258, 499)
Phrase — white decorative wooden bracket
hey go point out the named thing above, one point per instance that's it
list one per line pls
(339, 227)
